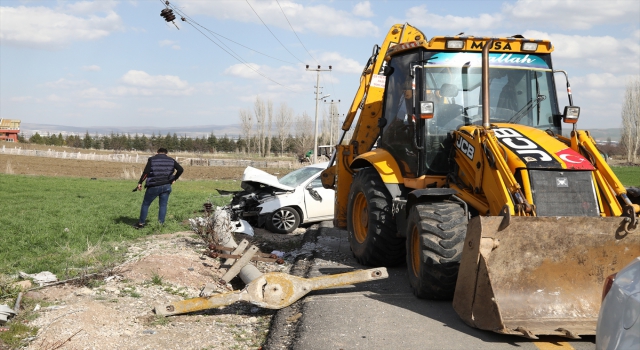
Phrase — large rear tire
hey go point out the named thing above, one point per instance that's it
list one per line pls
(370, 223)
(435, 237)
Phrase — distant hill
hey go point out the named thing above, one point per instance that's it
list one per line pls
(191, 131)
(605, 134)
(231, 130)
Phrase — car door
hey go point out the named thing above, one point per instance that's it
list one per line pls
(319, 201)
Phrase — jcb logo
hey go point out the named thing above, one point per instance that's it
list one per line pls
(465, 147)
(497, 45)
(525, 148)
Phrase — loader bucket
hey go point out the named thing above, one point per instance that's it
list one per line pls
(539, 275)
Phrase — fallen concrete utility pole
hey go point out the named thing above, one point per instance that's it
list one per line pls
(273, 290)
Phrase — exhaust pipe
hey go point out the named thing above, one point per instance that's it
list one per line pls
(485, 84)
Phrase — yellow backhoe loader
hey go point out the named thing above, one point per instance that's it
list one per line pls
(458, 165)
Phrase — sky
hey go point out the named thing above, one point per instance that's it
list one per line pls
(118, 63)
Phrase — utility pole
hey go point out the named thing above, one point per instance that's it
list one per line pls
(318, 98)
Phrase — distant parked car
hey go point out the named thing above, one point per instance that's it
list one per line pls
(282, 205)
(618, 325)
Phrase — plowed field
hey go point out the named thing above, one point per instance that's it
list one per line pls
(30, 165)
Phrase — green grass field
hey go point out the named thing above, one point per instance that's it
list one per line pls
(65, 225)
(628, 175)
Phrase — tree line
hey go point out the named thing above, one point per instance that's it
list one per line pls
(265, 132)
(174, 143)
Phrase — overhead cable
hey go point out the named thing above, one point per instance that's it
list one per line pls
(294, 32)
(224, 37)
(239, 59)
(254, 11)
(232, 53)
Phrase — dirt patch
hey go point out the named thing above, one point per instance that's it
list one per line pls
(117, 312)
(31, 165)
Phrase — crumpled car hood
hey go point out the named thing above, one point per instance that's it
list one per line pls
(252, 174)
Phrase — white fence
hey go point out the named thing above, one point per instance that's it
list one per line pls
(128, 158)
(123, 158)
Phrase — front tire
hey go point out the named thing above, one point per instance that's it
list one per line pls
(283, 220)
(435, 237)
(370, 223)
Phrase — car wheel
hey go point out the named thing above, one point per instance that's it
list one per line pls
(283, 220)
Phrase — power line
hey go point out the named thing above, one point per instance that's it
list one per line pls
(232, 53)
(294, 32)
(222, 36)
(239, 59)
(254, 11)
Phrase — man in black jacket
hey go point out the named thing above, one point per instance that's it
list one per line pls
(159, 176)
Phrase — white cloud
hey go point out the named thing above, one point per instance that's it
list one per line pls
(275, 77)
(363, 9)
(90, 7)
(144, 79)
(151, 110)
(102, 104)
(247, 71)
(91, 93)
(54, 98)
(274, 83)
(341, 64)
(572, 14)
(21, 98)
(174, 45)
(63, 83)
(46, 28)
(91, 68)
(601, 52)
(602, 81)
(599, 96)
(420, 17)
(320, 18)
(143, 84)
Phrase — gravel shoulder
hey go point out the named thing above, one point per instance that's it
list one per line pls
(117, 311)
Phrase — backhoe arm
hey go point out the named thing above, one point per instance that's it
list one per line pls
(368, 100)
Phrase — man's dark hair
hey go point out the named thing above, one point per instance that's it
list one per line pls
(163, 150)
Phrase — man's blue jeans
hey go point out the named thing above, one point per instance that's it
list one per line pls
(162, 191)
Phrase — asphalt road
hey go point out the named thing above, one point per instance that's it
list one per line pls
(385, 315)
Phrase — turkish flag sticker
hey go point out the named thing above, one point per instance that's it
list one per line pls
(573, 160)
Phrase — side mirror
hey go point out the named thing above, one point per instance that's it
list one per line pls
(426, 109)
(314, 194)
(571, 114)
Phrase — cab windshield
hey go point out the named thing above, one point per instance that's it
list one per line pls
(521, 89)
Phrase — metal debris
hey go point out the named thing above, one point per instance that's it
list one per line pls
(273, 290)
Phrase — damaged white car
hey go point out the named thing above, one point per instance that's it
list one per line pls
(282, 205)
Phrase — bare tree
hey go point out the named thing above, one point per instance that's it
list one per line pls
(631, 119)
(335, 124)
(246, 123)
(259, 109)
(269, 124)
(304, 133)
(326, 125)
(284, 119)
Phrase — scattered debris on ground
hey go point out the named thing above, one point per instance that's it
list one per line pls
(117, 311)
